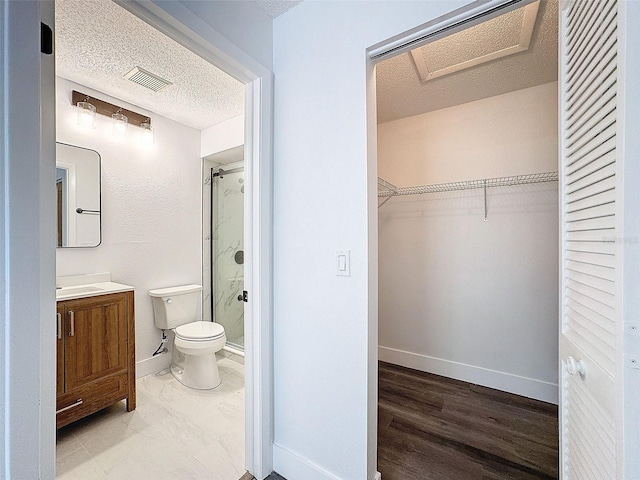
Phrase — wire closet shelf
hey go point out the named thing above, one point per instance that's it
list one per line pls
(388, 190)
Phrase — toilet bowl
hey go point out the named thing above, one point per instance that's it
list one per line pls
(196, 342)
(194, 360)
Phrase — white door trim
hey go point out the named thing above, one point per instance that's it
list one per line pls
(27, 244)
(179, 23)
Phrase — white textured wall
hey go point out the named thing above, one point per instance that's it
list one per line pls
(461, 297)
(223, 136)
(151, 211)
(504, 135)
(243, 23)
(325, 400)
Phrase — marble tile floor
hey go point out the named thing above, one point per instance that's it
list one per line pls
(175, 433)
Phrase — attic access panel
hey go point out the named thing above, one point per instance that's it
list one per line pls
(499, 37)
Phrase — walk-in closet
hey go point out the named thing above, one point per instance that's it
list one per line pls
(468, 252)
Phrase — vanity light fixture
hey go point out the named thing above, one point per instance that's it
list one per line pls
(86, 113)
(118, 114)
(120, 122)
(148, 136)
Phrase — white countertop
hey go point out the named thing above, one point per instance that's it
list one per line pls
(90, 290)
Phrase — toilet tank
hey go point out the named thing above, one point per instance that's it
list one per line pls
(175, 306)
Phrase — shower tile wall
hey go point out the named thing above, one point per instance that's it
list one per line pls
(228, 261)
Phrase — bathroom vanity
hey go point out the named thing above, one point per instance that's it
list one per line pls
(95, 350)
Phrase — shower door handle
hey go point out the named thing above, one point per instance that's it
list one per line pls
(244, 296)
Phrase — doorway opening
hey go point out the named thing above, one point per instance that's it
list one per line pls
(467, 250)
(254, 81)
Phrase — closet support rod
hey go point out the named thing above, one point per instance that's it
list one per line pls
(385, 201)
(485, 202)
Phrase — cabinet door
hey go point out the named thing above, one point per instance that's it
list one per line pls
(96, 342)
(60, 350)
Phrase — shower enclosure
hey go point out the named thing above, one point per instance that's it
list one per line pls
(223, 249)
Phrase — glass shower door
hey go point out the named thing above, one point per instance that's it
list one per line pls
(228, 252)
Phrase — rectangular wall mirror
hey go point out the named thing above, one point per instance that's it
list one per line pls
(78, 192)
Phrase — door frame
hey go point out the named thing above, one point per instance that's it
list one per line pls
(183, 26)
(452, 22)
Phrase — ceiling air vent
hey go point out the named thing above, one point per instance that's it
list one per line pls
(147, 79)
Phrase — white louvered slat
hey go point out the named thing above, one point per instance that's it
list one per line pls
(591, 442)
(581, 168)
(596, 211)
(588, 75)
(591, 303)
(603, 328)
(595, 270)
(602, 248)
(600, 419)
(597, 122)
(581, 149)
(578, 32)
(590, 345)
(603, 88)
(605, 172)
(592, 292)
(592, 224)
(601, 198)
(600, 283)
(589, 114)
(591, 236)
(581, 91)
(602, 192)
(599, 43)
(593, 42)
(600, 335)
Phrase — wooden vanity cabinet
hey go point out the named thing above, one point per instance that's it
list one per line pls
(96, 355)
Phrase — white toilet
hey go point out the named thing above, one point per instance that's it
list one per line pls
(196, 342)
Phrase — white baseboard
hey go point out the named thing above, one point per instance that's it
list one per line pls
(508, 382)
(290, 465)
(153, 364)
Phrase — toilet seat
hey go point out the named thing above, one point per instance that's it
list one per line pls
(200, 331)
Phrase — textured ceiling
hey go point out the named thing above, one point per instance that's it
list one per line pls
(402, 93)
(97, 42)
(275, 8)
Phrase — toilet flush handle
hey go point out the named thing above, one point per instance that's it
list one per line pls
(169, 300)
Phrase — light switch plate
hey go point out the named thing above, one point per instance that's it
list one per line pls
(343, 263)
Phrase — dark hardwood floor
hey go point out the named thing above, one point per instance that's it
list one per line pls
(432, 427)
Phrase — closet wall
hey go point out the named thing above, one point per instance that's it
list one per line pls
(459, 296)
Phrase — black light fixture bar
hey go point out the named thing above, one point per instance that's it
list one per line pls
(108, 109)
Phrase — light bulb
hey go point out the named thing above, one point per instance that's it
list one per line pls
(86, 114)
(148, 137)
(120, 122)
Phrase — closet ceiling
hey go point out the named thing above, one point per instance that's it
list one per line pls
(403, 92)
(97, 42)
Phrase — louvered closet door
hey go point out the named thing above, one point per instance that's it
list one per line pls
(589, 339)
